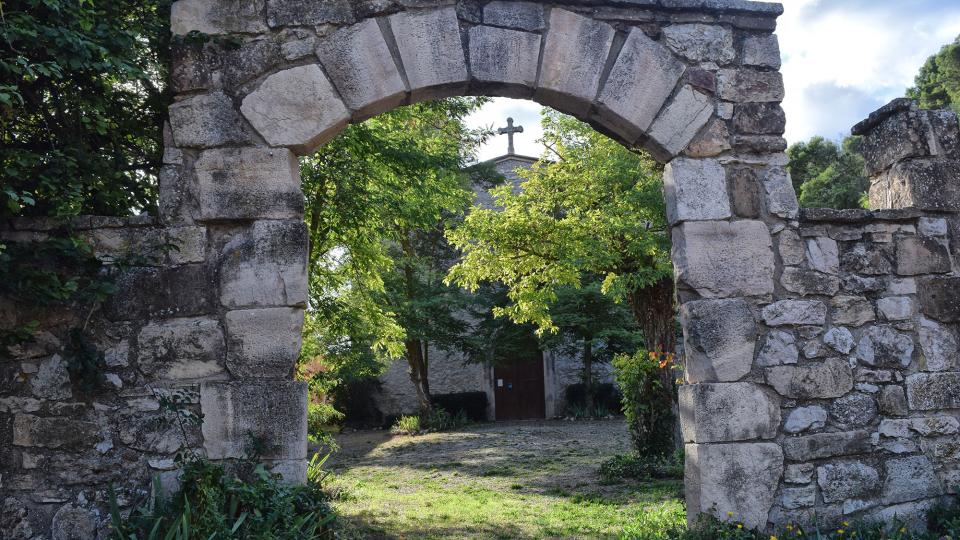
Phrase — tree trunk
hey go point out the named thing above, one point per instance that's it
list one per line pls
(418, 374)
(588, 375)
(653, 310)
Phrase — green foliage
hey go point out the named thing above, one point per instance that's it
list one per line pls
(438, 419)
(937, 85)
(648, 398)
(641, 468)
(214, 504)
(321, 417)
(828, 176)
(592, 207)
(83, 97)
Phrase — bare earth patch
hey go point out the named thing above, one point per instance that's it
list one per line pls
(498, 480)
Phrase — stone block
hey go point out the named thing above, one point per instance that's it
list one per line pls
(431, 51)
(206, 120)
(921, 255)
(217, 17)
(825, 445)
(843, 480)
(931, 226)
(900, 136)
(817, 380)
(744, 188)
(795, 312)
(54, 432)
(296, 108)
(910, 479)
(781, 198)
(945, 142)
(505, 60)
(737, 478)
(854, 410)
(840, 340)
(719, 339)
(712, 141)
(779, 348)
(851, 310)
(263, 343)
(727, 412)
(265, 266)
(722, 259)
(925, 184)
(248, 61)
(939, 345)
(248, 183)
(299, 13)
(759, 119)
(701, 42)
(51, 379)
(181, 349)
(73, 521)
(680, 120)
(940, 298)
(750, 86)
(933, 391)
(804, 418)
(270, 413)
(761, 51)
(884, 347)
(801, 473)
(855, 284)
(808, 282)
(695, 190)
(361, 67)
(792, 249)
(896, 308)
(641, 80)
(893, 401)
(871, 259)
(143, 293)
(823, 255)
(573, 58)
(925, 427)
(189, 244)
(517, 15)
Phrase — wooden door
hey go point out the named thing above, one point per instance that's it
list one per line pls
(518, 391)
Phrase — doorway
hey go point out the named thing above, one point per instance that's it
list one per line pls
(518, 390)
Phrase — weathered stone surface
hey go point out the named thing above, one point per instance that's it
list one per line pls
(778, 349)
(921, 255)
(265, 265)
(248, 183)
(761, 51)
(181, 349)
(297, 108)
(431, 51)
(823, 255)
(893, 401)
(781, 198)
(804, 418)
(933, 391)
(51, 380)
(506, 58)
(927, 226)
(851, 310)
(719, 338)
(807, 282)
(828, 379)
(190, 244)
(799, 497)
(896, 308)
(855, 284)
(701, 42)
(297, 13)
(918, 183)
(941, 351)
(641, 80)
(263, 343)
(271, 412)
(724, 259)
(738, 478)
(712, 141)
(882, 346)
(900, 136)
(824, 445)
(207, 120)
(867, 258)
(792, 249)
(759, 119)
(795, 312)
(749, 86)
(727, 412)
(940, 298)
(909, 479)
(681, 119)
(801, 473)
(223, 17)
(73, 522)
(14, 519)
(54, 432)
(854, 410)
(926, 427)
(744, 188)
(695, 189)
(519, 15)
(181, 291)
(359, 64)
(843, 480)
(840, 340)
(573, 58)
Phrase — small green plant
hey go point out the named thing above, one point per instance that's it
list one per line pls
(406, 425)
(646, 380)
(633, 467)
(321, 420)
(437, 419)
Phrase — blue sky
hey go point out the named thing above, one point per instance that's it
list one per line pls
(841, 60)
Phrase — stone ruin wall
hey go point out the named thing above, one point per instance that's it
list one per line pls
(217, 323)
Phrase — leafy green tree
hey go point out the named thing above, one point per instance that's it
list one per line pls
(826, 175)
(937, 85)
(83, 97)
(809, 159)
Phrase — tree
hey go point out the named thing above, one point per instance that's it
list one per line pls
(937, 85)
(83, 97)
(829, 176)
(809, 159)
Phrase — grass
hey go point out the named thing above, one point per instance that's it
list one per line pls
(472, 486)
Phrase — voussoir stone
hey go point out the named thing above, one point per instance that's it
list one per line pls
(695, 190)
(506, 58)
(362, 69)
(208, 17)
(719, 339)
(265, 266)
(573, 57)
(941, 351)
(274, 413)
(740, 479)
(297, 108)
(263, 343)
(847, 480)
(181, 349)
(933, 391)
(778, 349)
(681, 119)
(431, 51)
(830, 378)
(519, 15)
(795, 312)
(727, 412)
(721, 259)
(883, 346)
(205, 121)
(244, 183)
(701, 42)
(641, 80)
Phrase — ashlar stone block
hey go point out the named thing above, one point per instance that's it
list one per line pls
(297, 108)
(695, 190)
(721, 259)
(728, 412)
(431, 51)
(921, 255)
(217, 16)
(265, 266)
(248, 183)
(360, 65)
(719, 339)
(642, 78)
(271, 413)
(574, 54)
(781, 198)
(504, 59)
(518, 15)
(263, 343)
(817, 380)
(182, 349)
(205, 121)
(680, 121)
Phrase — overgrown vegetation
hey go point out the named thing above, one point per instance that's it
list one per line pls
(641, 468)
(648, 390)
(437, 419)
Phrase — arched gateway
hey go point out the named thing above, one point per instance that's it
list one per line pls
(772, 435)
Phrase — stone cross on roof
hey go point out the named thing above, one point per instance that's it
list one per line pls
(509, 131)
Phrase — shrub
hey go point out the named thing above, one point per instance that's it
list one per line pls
(646, 381)
(250, 503)
(321, 418)
(472, 404)
(631, 466)
(437, 420)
